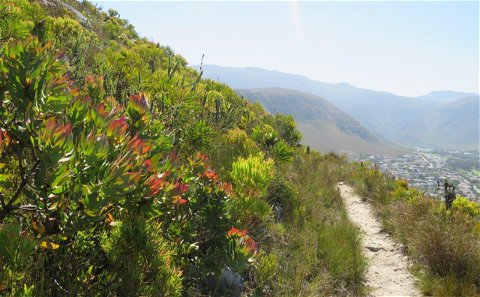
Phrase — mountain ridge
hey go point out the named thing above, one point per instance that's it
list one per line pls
(324, 126)
(384, 114)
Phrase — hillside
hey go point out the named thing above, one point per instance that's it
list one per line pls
(124, 172)
(384, 114)
(324, 127)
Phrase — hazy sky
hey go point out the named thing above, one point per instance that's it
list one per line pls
(408, 48)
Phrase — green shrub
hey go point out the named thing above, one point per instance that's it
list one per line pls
(252, 176)
(265, 135)
(197, 137)
(466, 206)
(282, 194)
(15, 19)
(281, 152)
(230, 146)
(266, 270)
(140, 260)
(15, 259)
(77, 43)
(287, 128)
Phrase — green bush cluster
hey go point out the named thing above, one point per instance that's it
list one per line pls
(102, 185)
(123, 172)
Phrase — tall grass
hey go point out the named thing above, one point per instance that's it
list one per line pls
(321, 254)
(340, 247)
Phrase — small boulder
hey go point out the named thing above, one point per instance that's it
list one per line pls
(373, 248)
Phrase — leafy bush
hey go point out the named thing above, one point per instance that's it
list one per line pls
(287, 128)
(464, 205)
(15, 19)
(265, 135)
(252, 176)
(282, 152)
(140, 260)
(70, 160)
(402, 191)
(228, 147)
(15, 256)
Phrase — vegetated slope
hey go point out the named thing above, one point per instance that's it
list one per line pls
(124, 172)
(323, 126)
(454, 125)
(384, 114)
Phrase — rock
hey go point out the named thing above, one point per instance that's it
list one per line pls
(232, 280)
(78, 15)
(373, 249)
(278, 210)
(229, 283)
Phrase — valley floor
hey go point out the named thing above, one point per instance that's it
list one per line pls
(387, 274)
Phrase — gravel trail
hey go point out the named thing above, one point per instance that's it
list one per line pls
(388, 273)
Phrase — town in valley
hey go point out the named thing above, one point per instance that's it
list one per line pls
(427, 170)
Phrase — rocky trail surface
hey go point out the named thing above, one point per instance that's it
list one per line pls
(387, 274)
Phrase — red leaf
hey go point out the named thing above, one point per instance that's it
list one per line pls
(234, 231)
(148, 164)
(251, 245)
(210, 174)
(227, 188)
(117, 129)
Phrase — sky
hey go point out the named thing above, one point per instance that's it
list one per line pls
(407, 48)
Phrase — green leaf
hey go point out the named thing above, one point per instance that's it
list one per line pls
(4, 177)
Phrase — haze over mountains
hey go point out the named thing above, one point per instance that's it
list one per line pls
(323, 126)
(453, 123)
(438, 120)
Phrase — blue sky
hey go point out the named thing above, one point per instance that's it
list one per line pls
(408, 48)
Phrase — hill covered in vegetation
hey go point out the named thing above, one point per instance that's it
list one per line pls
(123, 172)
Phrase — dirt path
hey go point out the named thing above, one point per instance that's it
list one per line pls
(387, 274)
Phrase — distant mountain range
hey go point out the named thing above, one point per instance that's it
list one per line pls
(422, 121)
(444, 97)
(453, 125)
(323, 126)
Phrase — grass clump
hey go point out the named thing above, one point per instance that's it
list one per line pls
(321, 251)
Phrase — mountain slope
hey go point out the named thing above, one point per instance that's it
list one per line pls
(384, 114)
(452, 126)
(323, 125)
(386, 120)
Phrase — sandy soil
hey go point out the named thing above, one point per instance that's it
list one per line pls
(388, 273)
